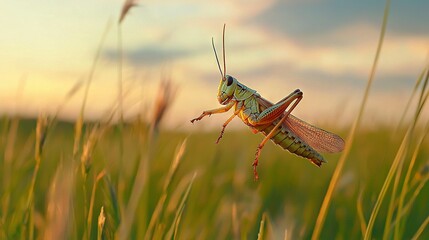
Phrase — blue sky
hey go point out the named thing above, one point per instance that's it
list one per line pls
(324, 48)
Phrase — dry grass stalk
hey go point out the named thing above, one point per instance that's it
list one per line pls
(59, 205)
(79, 122)
(41, 131)
(70, 94)
(91, 204)
(101, 221)
(166, 94)
(88, 149)
(234, 220)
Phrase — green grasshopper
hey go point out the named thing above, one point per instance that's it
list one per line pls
(277, 124)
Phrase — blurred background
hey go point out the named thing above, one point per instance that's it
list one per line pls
(324, 48)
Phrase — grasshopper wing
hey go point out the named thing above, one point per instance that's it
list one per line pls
(319, 139)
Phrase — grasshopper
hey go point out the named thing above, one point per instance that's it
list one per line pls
(275, 121)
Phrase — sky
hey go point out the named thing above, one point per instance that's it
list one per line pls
(326, 48)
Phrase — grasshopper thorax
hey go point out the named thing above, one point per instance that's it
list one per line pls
(226, 89)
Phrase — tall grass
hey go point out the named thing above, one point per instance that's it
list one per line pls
(74, 181)
(351, 135)
(219, 202)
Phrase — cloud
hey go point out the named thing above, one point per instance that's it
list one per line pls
(149, 55)
(310, 21)
(303, 20)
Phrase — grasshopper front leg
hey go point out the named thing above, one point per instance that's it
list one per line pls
(271, 114)
(214, 111)
(226, 123)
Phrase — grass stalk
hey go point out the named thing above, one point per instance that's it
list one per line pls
(9, 150)
(421, 229)
(91, 206)
(120, 75)
(421, 102)
(8, 156)
(140, 182)
(161, 202)
(410, 202)
(349, 142)
(393, 169)
(262, 227)
(85, 167)
(361, 216)
(81, 117)
(407, 106)
(235, 224)
(399, 157)
(59, 204)
(41, 131)
(174, 229)
(391, 207)
(405, 185)
(79, 121)
(101, 221)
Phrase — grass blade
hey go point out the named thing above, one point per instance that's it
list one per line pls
(421, 229)
(160, 205)
(79, 122)
(398, 158)
(262, 227)
(349, 142)
(174, 228)
(360, 213)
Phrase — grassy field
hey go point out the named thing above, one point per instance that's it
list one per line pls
(187, 187)
(137, 180)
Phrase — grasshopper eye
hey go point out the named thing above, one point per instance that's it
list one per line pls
(229, 81)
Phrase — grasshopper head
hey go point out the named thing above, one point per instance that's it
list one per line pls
(226, 90)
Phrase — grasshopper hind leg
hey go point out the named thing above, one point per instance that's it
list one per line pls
(295, 97)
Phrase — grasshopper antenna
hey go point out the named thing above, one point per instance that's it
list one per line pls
(223, 51)
(217, 59)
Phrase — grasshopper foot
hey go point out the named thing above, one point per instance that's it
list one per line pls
(255, 164)
(220, 135)
(255, 172)
(200, 117)
(195, 119)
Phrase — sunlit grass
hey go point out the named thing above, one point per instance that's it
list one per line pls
(220, 201)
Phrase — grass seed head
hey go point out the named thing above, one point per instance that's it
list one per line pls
(41, 131)
(128, 4)
(166, 94)
(88, 149)
(101, 221)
